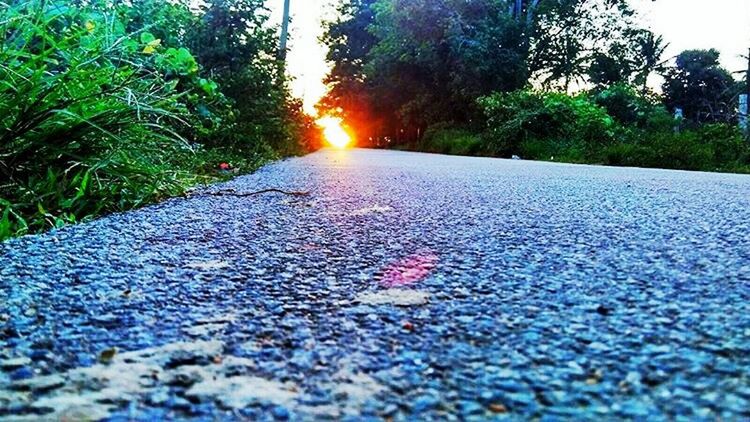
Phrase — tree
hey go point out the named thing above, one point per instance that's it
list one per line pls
(408, 64)
(232, 34)
(631, 59)
(700, 87)
(606, 70)
(235, 44)
(567, 37)
(433, 58)
(349, 42)
(648, 59)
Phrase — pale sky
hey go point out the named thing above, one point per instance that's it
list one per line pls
(306, 59)
(701, 24)
(685, 24)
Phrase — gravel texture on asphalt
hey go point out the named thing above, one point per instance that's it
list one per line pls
(404, 286)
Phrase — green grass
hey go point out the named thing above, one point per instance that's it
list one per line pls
(82, 194)
(95, 120)
(453, 141)
(718, 148)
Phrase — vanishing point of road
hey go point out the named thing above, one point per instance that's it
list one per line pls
(391, 285)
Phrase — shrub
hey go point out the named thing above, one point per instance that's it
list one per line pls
(445, 139)
(729, 148)
(615, 126)
(102, 108)
(80, 108)
(628, 107)
(708, 148)
(522, 116)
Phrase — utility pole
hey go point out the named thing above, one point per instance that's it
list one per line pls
(284, 32)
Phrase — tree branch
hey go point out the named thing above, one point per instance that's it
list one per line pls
(231, 192)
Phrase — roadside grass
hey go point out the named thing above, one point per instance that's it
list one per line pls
(626, 129)
(96, 118)
(84, 192)
(699, 150)
(453, 141)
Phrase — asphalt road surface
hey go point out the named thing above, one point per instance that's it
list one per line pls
(402, 286)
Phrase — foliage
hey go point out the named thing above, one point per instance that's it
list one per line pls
(235, 44)
(717, 147)
(521, 116)
(444, 138)
(349, 94)
(616, 126)
(629, 107)
(608, 69)
(104, 106)
(700, 87)
(568, 35)
(630, 59)
(433, 58)
(168, 21)
(401, 66)
(76, 97)
(648, 56)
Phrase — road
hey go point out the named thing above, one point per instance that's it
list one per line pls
(402, 285)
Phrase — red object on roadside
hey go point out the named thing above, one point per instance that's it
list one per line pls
(224, 166)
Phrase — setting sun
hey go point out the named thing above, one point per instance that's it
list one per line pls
(334, 131)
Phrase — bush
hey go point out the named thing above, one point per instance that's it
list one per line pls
(729, 148)
(709, 148)
(545, 150)
(615, 126)
(628, 107)
(98, 113)
(80, 109)
(444, 139)
(526, 116)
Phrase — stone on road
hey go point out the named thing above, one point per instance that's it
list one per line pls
(403, 286)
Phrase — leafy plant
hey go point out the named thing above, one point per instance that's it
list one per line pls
(520, 116)
(103, 107)
(444, 138)
(74, 92)
(616, 126)
(629, 107)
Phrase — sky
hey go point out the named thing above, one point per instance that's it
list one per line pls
(306, 59)
(691, 24)
(684, 24)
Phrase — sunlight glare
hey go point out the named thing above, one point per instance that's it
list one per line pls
(334, 132)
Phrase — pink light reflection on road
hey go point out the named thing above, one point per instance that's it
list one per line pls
(409, 270)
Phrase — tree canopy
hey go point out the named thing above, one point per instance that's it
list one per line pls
(402, 65)
(703, 89)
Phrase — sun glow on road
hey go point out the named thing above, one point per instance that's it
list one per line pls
(334, 132)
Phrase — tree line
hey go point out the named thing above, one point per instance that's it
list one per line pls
(407, 72)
